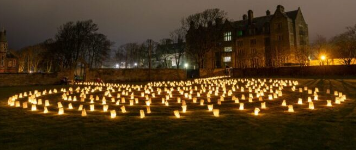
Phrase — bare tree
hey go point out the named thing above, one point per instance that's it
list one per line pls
(201, 37)
(178, 36)
(345, 45)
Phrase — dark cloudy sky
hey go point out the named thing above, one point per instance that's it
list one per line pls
(32, 21)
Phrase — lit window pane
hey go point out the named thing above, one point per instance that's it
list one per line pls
(227, 59)
(227, 49)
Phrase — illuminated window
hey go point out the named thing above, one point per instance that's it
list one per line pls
(227, 59)
(227, 49)
(227, 36)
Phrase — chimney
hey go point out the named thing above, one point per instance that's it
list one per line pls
(268, 13)
(280, 8)
(244, 17)
(250, 16)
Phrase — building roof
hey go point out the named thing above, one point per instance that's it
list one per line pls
(261, 21)
(10, 55)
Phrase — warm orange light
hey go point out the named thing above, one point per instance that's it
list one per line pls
(322, 57)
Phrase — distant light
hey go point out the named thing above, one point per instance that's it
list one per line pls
(323, 57)
(135, 64)
(117, 65)
(186, 65)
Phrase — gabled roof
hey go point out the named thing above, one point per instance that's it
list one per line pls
(10, 55)
(259, 22)
(292, 14)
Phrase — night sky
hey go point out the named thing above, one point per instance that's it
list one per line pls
(32, 21)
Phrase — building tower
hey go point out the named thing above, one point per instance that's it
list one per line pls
(3, 50)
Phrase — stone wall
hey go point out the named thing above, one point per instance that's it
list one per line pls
(297, 71)
(203, 73)
(18, 79)
(119, 75)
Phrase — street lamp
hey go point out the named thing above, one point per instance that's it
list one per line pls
(323, 57)
(135, 65)
(186, 65)
(117, 65)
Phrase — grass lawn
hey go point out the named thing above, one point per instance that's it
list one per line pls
(322, 128)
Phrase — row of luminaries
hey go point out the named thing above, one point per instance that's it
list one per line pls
(209, 87)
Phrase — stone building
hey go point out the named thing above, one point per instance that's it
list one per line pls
(8, 62)
(274, 40)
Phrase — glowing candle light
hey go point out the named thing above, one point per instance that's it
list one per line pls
(184, 108)
(311, 105)
(210, 107)
(309, 99)
(17, 104)
(201, 102)
(60, 111)
(39, 102)
(148, 109)
(208, 99)
(131, 102)
(33, 108)
(92, 107)
(117, 102)
(290, 108)
(166, 103)
(142, 114)
(183, 103)
(70, 106)
(250, 100)
(219, 102)
(216, 112)
(45, 110)
(80, 108)
(329, 103)
(84, 113)
(241, 106)
(257, 110)
(123, 109)
(194, 100)
(337, 100)
(112, 114)
(123, 100)
(300, 101)
(263, 105)
(46, 102)
(316, 97)
(327, 91)
(176, 113)
(284, 103)
(59, 105)
(237, 101)
(105, 108)
(270, 97)
(178, 100)
(136, 100)
(260, 99)
(24, 105)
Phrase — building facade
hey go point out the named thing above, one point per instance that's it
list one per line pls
(8, 62)
(274, 40)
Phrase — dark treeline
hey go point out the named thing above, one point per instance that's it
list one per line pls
(342, 47)
(176, 47)
(75, 43)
